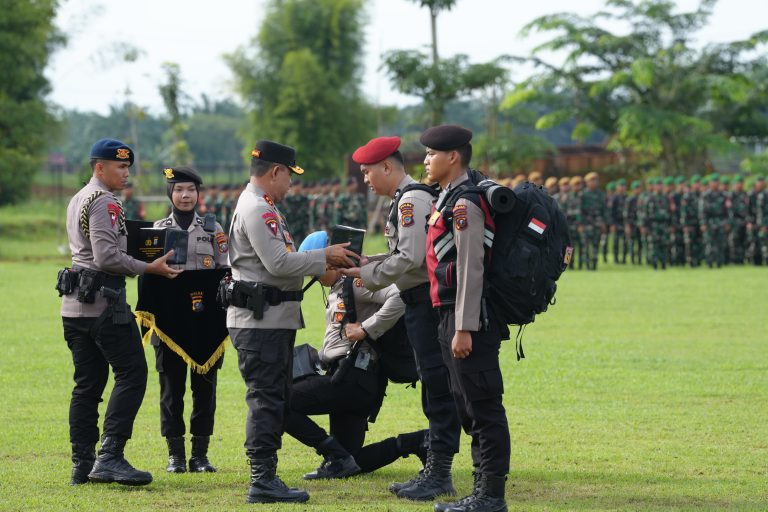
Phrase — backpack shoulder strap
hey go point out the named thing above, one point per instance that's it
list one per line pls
(432, 190)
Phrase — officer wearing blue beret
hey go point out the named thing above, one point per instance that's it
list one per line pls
(99, 326)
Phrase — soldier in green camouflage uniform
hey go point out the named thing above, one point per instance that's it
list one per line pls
(676, 247)
(657, 218)
(758, 222)
(295, 208)
(351, 207)
(594, 214)
(617, 207)
(610, 191)
(631, 225)
(713, 221)
(564, 188)
(573, 215)
(738, 213)
(133, 208)
(689, 220)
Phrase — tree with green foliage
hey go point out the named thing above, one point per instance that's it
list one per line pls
(28, 37)
(300, 79)
(440, 81)
(177, 150)
(650, 88)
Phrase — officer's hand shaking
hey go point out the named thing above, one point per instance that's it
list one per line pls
(161, 268)
(354, 332)
(339, 256)
(461, 345)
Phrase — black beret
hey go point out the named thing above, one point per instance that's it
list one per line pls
(276, 153)
(446, 137)
(112, 149)
(182, 175)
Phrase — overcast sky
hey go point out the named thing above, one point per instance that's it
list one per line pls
(196, 33)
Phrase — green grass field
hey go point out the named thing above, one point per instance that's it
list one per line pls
(641, 391)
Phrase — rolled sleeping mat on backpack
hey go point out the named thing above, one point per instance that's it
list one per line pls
(500, 198)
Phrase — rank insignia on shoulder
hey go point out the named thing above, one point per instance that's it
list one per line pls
(269, 200)
(358, 282)
(433, 218)
(460, 217)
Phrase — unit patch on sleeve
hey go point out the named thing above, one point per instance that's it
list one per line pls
(406, 214)
(221, 241)
(270, 219)
(460, 220)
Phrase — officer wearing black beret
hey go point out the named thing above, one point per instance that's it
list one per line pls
(207, 249)
(457, 252)
(99, 326)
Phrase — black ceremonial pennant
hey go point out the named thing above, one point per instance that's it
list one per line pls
(183, 313)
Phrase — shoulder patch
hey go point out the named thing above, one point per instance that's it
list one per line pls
(460, 220)
(270, 219)
(114, 212)
(406, 214)
(221, 241)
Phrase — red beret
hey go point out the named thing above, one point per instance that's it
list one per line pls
(376, 150)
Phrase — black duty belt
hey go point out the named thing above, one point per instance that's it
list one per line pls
(416, 295)
(271, 294)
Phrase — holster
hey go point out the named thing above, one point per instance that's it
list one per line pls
(118, 308)
(258, 296)
(66, 281)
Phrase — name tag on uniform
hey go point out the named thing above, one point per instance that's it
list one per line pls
(433, 218)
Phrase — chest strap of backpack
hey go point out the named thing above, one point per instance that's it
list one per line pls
(446, 210)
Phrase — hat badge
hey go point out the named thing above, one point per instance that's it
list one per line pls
(255, 153)
(168, 173)
(123, 153)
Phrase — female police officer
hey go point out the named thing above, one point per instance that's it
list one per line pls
(207, 249)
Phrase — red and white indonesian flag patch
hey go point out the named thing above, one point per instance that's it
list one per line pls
(537, 225)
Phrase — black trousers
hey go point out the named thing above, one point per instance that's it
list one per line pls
(96, 344)
(265, 359)
(348, 405)
(477, 388)
(421, 322)
(172, 371)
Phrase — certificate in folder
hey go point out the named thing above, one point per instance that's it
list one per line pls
(342, 234)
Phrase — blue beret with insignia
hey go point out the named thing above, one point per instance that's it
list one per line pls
(112, 149)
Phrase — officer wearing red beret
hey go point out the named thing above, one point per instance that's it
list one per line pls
(382, 166)
(456, 255)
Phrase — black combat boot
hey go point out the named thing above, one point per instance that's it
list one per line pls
(177, 459)
(442, 507)
(111, 465)
(488, 496)
(199, 462)
(414, 443)
(266, 486)
(433, 481)
(337, 462)
(422, 451)
(83, 457)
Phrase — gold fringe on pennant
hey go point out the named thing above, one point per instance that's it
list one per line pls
(147, 320)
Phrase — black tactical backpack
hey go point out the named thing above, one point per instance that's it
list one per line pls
(531, 249)
(396, 358)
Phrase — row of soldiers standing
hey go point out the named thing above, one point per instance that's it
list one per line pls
(670, 221)
(311, 206)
